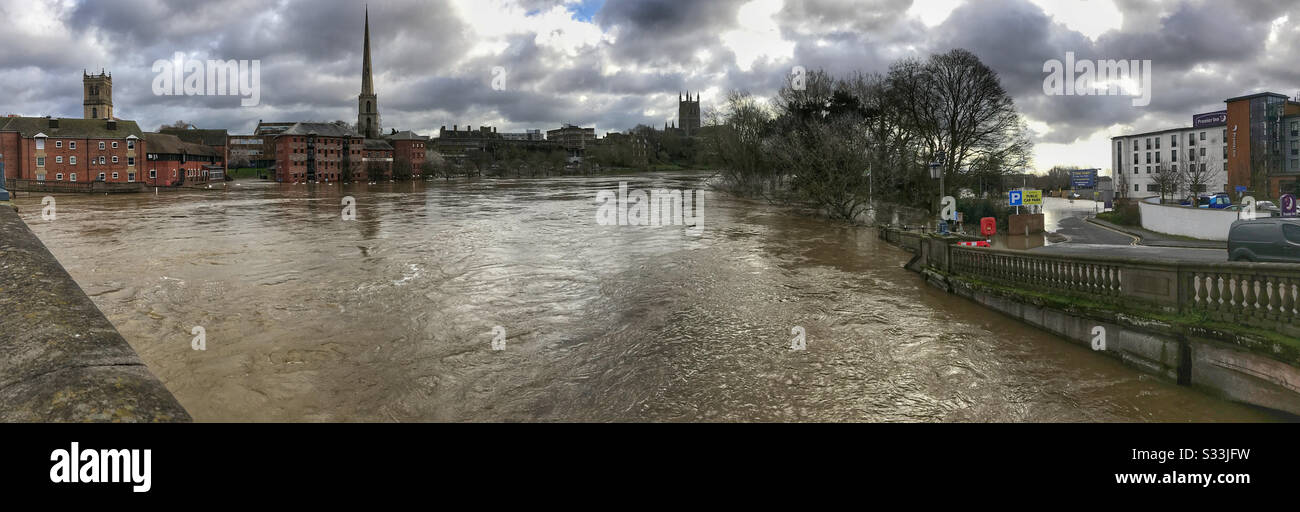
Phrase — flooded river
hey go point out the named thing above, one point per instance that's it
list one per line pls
(391, 317)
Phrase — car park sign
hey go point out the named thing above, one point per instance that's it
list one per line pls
(1025, 198)
(1033, 198)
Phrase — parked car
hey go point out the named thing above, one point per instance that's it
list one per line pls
(1216, 202)
(1272, 239)
(1262, 209)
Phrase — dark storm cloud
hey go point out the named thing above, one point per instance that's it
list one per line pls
(660, 32)
(432, 68)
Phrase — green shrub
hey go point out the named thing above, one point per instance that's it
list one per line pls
(973, 210)
(1126, 213)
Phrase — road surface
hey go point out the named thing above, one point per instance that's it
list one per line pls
(1088, 239)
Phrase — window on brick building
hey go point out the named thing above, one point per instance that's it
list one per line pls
(101, 175)
(58, 177)
(58, 144)
(72, 160)
(72, 177)
(114, 158)
(101, 145)
(72, 145)
(40, 161)
(58, 159)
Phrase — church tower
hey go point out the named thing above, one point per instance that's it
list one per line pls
(98, 95)
(688, 114)
(367, 102)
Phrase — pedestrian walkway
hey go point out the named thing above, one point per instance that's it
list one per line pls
(1154, 239)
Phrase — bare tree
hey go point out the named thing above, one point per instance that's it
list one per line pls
(740, 143)
(963, 114)
(1169, 181)
(1197, 177)
(402, 169)
(1121, 178)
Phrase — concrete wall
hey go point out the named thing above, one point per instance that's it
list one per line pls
(1204, 224)
(1244, 369)
(60, 358)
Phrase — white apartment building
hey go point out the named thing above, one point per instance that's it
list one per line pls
(1136, 157)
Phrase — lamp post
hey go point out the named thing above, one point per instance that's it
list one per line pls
(936, 172)
(4, 194)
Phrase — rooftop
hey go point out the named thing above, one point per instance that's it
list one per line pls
(74, 128)
(167, 144)
(320, 130)
(197, 136)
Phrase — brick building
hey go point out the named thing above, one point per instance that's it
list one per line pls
(309, 152)
(409, 146)
(218, 140)
(172, 161)
(378, 153)
(456, 144)
(71, 150)
(574, 139)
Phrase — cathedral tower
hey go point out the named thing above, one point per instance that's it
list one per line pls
(688, 114)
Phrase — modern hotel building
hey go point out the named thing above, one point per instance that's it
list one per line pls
(1250, 148)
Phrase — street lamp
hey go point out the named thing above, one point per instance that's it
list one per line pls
(4, 194)
(936, 172)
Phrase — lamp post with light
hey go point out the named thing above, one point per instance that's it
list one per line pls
(936, 172)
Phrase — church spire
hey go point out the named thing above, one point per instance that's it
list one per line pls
(367, 102)
(367, 84)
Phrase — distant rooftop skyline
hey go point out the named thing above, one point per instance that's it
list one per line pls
(615, 64)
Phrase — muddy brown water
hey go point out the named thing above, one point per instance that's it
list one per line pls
(390, 317)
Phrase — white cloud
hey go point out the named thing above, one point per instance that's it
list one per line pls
(758, 35)
(1091, 18)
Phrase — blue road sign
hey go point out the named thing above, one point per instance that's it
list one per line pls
(1241, 189)
(1083, 179)
(1015, 198)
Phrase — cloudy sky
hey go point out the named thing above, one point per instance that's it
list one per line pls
(614, 64)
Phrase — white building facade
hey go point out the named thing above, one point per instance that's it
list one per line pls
(1136, 159)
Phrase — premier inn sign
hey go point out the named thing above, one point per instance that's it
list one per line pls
(1210, 119)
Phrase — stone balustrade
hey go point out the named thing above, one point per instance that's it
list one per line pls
(1262, 295)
